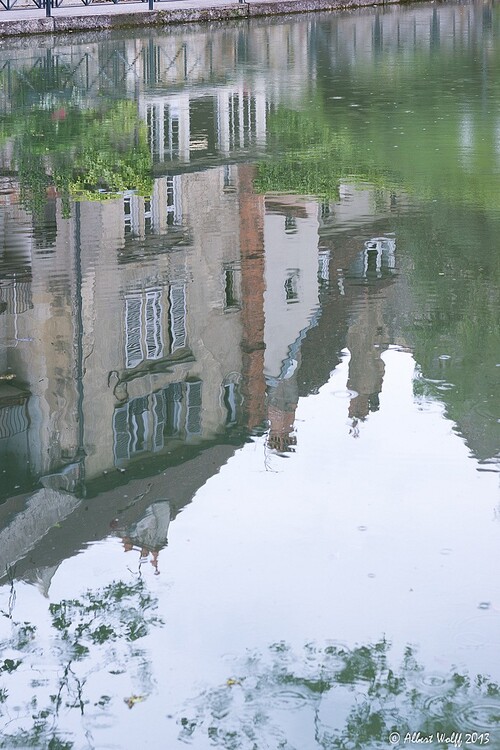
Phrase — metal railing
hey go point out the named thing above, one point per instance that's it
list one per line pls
(48, 5)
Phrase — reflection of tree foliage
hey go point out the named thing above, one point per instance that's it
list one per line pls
(94, 633)
(84, 154)
(309, 157)
(380, 107)
(334, 697)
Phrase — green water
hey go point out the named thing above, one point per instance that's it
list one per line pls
(249, 384)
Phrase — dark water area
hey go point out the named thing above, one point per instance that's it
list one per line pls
(249, 384)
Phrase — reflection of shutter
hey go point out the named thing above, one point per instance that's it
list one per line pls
(13, 420)
(154, 338)
(193, 400)
(138, 411)
(230, 390)
(173, 397)
(133, 343)
(17, 296)
(159, 417)
(178, 315)
(121, 434)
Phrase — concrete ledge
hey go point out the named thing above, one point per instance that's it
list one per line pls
(142, 19)
(267, 8)
(122, 18)
(26, 27)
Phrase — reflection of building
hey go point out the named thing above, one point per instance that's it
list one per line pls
(291, 305)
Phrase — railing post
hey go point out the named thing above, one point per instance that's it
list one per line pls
(48, 5)
(151, 4)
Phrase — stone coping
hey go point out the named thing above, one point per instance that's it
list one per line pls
(125, 15)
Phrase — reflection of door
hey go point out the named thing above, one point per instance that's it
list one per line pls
(143, 423)
(131, 429)
(193, 403)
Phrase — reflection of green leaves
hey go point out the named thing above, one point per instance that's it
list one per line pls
(86, 621)
(340, 699)
(9, 665)
(102, 634)
(94, 632)
(89, 154)
(309, 157)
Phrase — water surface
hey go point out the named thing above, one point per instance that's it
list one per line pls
(249, 384)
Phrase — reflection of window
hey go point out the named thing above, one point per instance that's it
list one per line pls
(148, 216)
(145, 324)
(177, 316)
(130, 215)
(174, 211)
(131, 428)
(173, 405)
(154, 343)
(378, 255)
(159, 420)
(325, 209)
(13, 420)
(292, 287)
(133, 331)
(153, 126)
(229, 185)
(242, 119)
(231, 402)
(127, 211)
(15, 297)
(324, 265)
(143, 423)
(290, 224)
(171, 131)
(143, 327)
(232, 287)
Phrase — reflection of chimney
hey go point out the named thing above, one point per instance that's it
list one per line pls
(366, 339)
(252, 288)
(283, 397)
(281, 425)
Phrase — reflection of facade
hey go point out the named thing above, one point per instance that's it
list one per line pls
(195, 310)
(291, 305)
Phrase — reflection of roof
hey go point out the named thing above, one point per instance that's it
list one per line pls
(52, 526)
(45, 509)
(289, 363)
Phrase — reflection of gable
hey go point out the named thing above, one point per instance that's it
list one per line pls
(284, 205)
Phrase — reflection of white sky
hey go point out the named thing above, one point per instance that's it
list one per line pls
(271, 550)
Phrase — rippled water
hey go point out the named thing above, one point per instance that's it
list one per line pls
(249, 384)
